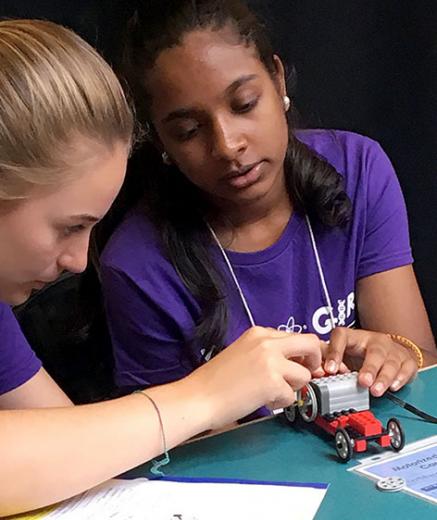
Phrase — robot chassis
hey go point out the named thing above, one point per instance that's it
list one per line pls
(340, 406)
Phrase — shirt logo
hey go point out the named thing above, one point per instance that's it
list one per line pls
(321, 320)
(292, 326)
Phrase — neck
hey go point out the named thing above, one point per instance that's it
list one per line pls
(257, 224)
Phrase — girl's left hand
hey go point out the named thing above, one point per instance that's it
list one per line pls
(385, 364)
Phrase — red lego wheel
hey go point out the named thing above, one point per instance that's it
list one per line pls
(343, 445)
(396, 432)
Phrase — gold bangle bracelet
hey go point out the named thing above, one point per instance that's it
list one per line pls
(407, 343)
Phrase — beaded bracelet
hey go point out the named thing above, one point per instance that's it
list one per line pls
(156, 464)
(405, 342)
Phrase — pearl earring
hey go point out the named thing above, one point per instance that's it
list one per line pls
(287, 103)
(166, 158)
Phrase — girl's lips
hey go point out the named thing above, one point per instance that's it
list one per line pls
(39, 284)
(246, 179)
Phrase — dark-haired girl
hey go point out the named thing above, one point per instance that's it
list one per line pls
(249, 221)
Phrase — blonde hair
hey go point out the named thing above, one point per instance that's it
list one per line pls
(54, 88)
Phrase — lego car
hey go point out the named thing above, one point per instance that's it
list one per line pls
(340, 406)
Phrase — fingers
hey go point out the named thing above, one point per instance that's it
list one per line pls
(290, 375)
(334, 352)
(343, 368)
(307, 346)
(393, 374)
(406, 373)
(296, 375)
(285, 398)
(378, 372)
(386, 365)
(375, 358)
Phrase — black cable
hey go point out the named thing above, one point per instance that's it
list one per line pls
(411, 408)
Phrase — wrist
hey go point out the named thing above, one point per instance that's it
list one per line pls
(413, 349)
(429, 358)
(184, 402)
(196, 391)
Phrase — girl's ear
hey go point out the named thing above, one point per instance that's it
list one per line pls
(156, 142)
(280, 76)
(153, 138)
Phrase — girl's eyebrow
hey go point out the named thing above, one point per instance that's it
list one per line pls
(180, 113)
(189, 112)
(85, 218)
(235, 85)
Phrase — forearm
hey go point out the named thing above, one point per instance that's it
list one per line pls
(49, 455)
(391, 302)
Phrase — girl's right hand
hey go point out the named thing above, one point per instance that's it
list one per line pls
(256, 370)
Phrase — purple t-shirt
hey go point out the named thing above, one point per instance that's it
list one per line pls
(152, 315)
(18, 362)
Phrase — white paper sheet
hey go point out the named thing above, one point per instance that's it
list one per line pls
(142, 499)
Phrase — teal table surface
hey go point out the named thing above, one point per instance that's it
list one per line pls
(276, 451)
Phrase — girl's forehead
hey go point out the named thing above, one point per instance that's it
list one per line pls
(205, 46)
(204, 59)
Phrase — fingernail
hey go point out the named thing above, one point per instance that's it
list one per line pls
(378, 388)
(331, 366)
(395, 385)
(368, 378)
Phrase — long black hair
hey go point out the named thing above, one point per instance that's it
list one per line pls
(175, 205)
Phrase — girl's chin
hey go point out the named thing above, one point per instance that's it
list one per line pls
(15, 296)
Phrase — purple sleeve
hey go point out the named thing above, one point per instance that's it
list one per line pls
(18, 362)
(146, 321)
(386, 243)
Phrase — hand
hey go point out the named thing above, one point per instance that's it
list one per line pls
(257, 370)
(385, 364)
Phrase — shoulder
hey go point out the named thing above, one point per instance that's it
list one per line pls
(341, 148)
(8, 323)
(136, 240)
(138, 279)
(136, 253)
(334, 142)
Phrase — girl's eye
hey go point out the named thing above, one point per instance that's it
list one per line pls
(246, 107)
(71, 230)
(187, 134)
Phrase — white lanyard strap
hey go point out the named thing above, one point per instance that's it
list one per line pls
(231, 270)
(319, 268)
(321, 273)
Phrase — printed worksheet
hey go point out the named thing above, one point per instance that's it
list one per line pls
(143, 499)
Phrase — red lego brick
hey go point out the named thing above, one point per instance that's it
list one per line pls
(331, 426)
(384, 441)
(360, 445)
(365, 423)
